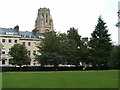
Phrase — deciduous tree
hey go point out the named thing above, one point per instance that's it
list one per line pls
(19, 55)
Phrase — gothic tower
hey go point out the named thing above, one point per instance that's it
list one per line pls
(44, 22)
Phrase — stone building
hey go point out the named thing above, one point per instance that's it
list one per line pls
(9, 37)
(44, 22)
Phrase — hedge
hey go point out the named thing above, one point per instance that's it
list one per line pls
(38, 68)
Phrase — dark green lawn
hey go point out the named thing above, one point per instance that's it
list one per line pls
(61, 79)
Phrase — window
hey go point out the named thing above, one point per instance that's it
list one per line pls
(29, 43)
(15, 41)
(3, 52)
(34, 62)
(3, 61)
(29, 53)
(23, 43)
(34, 44)
(10, 33)
(34, 52)
(27, 36)
(9, 40)
(42, 15)
(3, 40)
(46, 20)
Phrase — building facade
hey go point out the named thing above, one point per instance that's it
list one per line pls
(9, 37)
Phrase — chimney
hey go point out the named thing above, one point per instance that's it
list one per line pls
(16, 28)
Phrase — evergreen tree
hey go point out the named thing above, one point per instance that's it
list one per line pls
(100, 44)
(73, 36)
(75, 44)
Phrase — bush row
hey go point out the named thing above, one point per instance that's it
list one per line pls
(37, 68)
(40, 68)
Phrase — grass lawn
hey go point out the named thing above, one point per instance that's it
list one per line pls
(61, 79)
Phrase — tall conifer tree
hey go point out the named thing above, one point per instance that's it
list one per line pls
(100, 44)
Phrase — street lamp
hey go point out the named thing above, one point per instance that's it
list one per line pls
(118, 24)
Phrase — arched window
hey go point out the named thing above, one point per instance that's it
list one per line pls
(46, 16)
(47, 30)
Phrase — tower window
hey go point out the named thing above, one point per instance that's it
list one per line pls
(46, 18)
(42, 15)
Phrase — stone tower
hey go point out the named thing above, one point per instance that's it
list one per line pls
(44, 22)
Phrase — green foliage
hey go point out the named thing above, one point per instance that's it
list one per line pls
(56, 48)
(100, 44)
(114, 61)
(49, 49)
(73, 36)
(84, 53)
(75, 46)
(19, 55)
(59, 48)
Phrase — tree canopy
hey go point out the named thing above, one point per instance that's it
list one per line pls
(19, 55)
(49, 49)
(58, 48)
(69, 49)
(100, 44)
(114, 61)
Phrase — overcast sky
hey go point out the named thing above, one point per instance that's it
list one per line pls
(81, 14)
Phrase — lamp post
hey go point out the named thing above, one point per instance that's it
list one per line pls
(118, 24)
